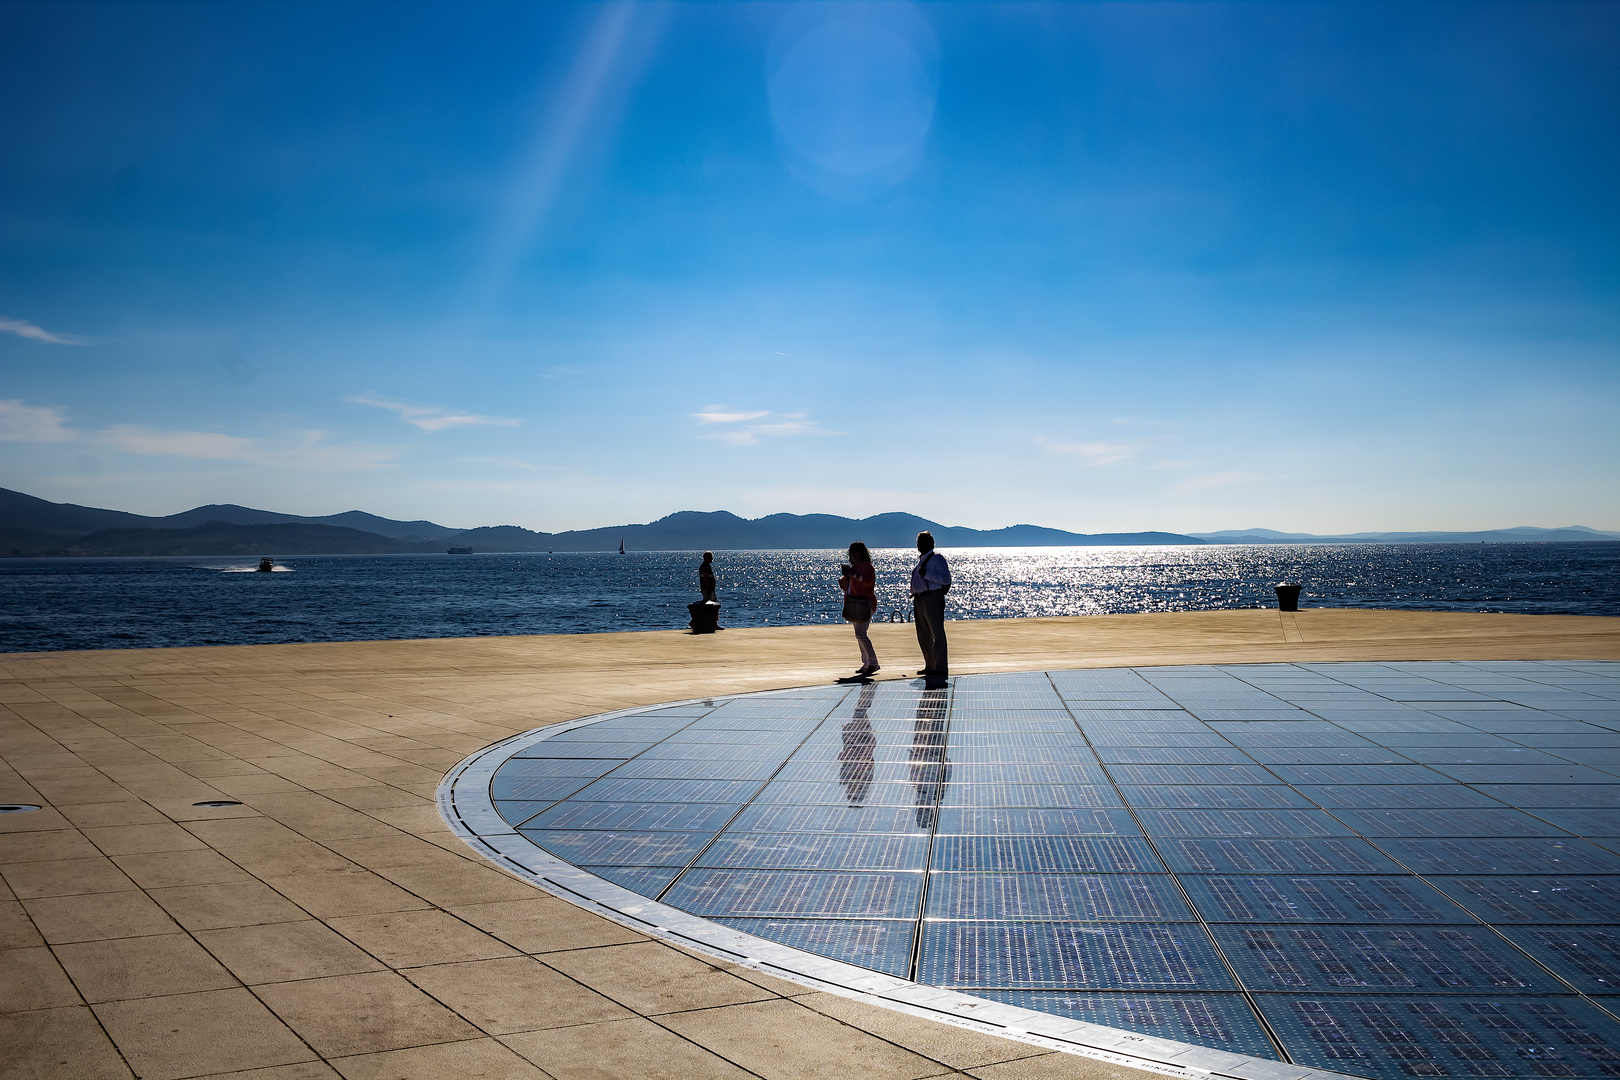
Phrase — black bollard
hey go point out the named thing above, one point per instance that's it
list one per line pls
(1287, 597)
(705, 616)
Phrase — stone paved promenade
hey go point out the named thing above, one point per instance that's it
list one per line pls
(332, 926)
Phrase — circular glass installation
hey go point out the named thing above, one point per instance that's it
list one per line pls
(1389, 870)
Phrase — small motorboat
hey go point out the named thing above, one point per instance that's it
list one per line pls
(266, 565)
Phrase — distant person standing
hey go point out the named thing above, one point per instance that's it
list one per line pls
(706, 576)
(859, 583)
(930, 580)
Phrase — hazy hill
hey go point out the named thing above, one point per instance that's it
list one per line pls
(691, 530)
(20, 511)
(1519, 534)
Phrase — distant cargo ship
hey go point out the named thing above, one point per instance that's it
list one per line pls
(459, 551)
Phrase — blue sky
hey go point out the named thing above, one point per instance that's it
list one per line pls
(1319, 267)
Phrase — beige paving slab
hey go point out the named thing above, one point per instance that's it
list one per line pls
(515, 994)
(166, 1038)
(65, 877)
(543, 925)
(142, 967)
(68, 1043)
(140, 839)
(98, 917)
(623, 1048)
(166, 869)
(21, 847)
(783, 1040)
(16, 928)
(33, 979)
(348, 891)
(419, 937)
(305, 1070)
(361, 1014)
(957, 1047)
(269, 861)
(284, 952)
(233, 903)
(651, 978)
(475, 1059)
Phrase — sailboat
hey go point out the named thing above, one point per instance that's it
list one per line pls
(621, 545)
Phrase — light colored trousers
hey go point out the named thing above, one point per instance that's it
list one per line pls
(868, 654)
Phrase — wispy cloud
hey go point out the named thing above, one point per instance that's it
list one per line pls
(296, 451)
(717, 414)
(1210, 481)
(207, 445)
(1093, 453)
(431, 418)
(35, 333)
(32, 423)
(738, 427)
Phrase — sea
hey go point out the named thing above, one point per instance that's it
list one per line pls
(55, 604)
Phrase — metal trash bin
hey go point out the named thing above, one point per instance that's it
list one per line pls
(705, 616)
(1287, 597)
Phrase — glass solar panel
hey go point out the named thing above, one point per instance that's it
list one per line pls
(1240, 823)
(1357, 774)
(1399, 1037)
(851, 819)
(1584, 822)
(1014, 821)
(1081, 956)
(1102, 854)
(1327, 755)
(1390, 870)
(619, 848)
(1413, 796)
(535, 788)
(805, 893)
(1483, 822)
(1197, 796)
(1191, 774)
(1154, 755)
(1381, 960)
(1587, 957)
(1317, 855)
(1317, 898)
(880, 944)
(1044, 795)
(1475, 855)
(1527, 899)
(693, 817)
(1109, 897)
(818, 851)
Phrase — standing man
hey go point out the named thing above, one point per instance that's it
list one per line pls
(930, 580)
(706, 576)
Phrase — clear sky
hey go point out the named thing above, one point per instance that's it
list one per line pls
(1101, 266)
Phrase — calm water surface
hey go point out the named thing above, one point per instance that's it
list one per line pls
(129, 603)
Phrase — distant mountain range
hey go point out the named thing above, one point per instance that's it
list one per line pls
(1520, 534)
(35, 527)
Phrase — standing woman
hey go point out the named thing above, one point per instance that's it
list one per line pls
(859, 583)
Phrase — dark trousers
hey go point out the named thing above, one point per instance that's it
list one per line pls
(929, 610)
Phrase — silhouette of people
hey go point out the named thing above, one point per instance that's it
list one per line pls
(860, 595)
(930, 580)
(929, 769)
(855, 760)
(706, 576)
